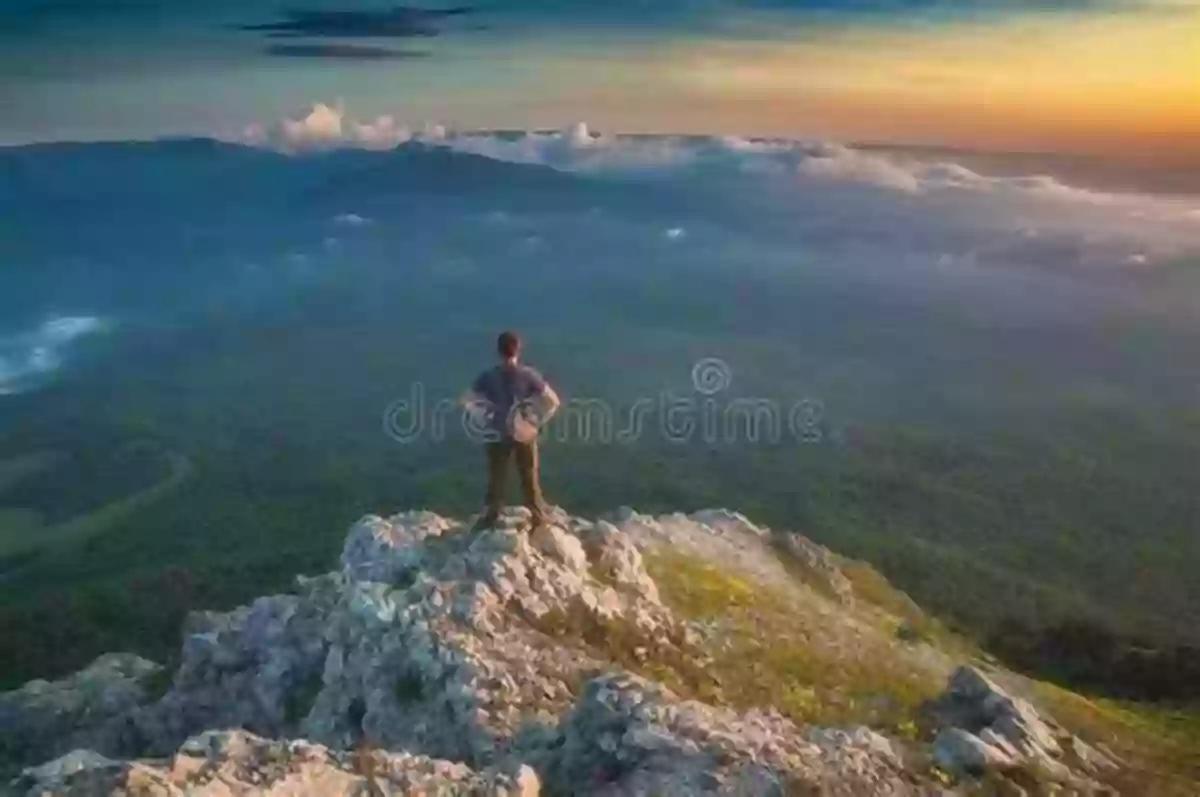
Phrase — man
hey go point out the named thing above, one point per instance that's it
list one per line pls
(511, 402)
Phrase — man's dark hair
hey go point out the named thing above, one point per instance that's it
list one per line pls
(508, 344)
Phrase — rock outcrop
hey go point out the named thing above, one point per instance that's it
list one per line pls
(985, 729)
(628, 736)
(443, 660)
(85, 710)
(222, 763)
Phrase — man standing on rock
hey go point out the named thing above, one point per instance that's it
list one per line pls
(510, 403)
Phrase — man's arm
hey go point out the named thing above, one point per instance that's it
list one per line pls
(544, 401)
(549, 403)
(475, 395)
(535, 412)
(477, 407)
(471, 398)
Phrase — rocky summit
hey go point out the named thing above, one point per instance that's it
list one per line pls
(439, 659)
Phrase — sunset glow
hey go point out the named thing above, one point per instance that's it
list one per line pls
(1116, 78)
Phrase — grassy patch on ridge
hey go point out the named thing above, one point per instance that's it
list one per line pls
(1160, 746)
(762, 656)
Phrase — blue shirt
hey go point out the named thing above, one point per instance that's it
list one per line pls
(506, 387)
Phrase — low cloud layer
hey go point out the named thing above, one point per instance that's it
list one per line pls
(624, 213)
(1029, 208)
(27, 358)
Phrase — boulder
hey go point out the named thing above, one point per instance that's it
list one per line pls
(383, 550)
(974, 702)
(244, 668)
(43, 720)
(76, 766)
(618, 559)
(630, 736)
(819, 564)
(957, 751)
(222, 763)
(556, 543)
(1088, 758)
(984, 728)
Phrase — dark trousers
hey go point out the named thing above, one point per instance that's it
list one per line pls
(526, 454)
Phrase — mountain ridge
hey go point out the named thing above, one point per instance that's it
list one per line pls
(584, 657)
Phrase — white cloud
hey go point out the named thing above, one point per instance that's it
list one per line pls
(841, 163)
(64, 330)
(581, 149)
(351, 220)
(327, 127)
(26, 358)
(1023, 207)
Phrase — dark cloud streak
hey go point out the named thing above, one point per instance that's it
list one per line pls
(347, 52)
(397, 22)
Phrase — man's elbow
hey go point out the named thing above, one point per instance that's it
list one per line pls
(551, 401)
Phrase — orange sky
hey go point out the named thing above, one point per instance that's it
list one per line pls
(1117, 85)
(1107, 84)
(1118, 77)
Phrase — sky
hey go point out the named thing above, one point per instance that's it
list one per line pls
(1114, 77)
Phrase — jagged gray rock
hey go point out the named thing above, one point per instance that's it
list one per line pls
(242, 669)
(739, 541)
(459, 647)
(956, 750)
(820, 563)
(77, 767)
(43, 720)
(455, 660)
(222, 763)
(1088, 758)
(629, 736)
(986, 729)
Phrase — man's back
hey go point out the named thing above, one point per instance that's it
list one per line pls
(504, 387)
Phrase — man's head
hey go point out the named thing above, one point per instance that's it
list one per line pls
(508, 346)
